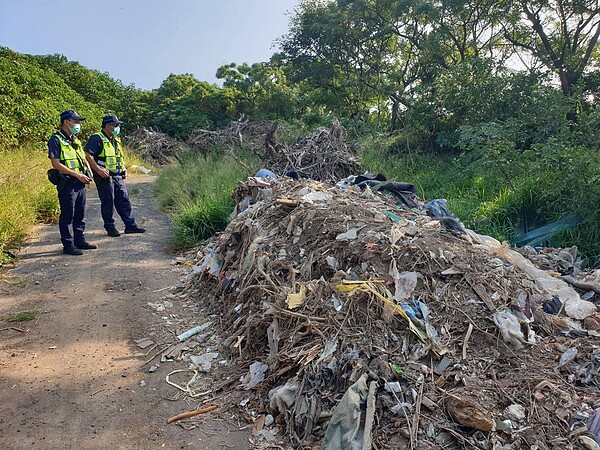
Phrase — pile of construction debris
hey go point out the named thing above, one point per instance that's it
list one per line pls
(357, 317)
(155, 147)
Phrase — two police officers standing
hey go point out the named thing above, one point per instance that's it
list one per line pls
(105, 156)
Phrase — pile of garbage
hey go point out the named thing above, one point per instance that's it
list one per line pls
(356, 316)
(154, 146)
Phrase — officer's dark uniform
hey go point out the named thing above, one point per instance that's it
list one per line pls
(108, 153)
(72, 193)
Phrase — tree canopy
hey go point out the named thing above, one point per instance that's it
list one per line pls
(421, 67)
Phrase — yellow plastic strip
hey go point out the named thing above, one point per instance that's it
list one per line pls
(351, 285)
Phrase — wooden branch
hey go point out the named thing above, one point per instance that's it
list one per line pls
(196, 412)
(537, 27)
(20, 330)
(591, 46)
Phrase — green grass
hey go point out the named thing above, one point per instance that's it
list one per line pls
(201, 219)
(197, 194)
(22, 316)
(134, 163)
(26, 196)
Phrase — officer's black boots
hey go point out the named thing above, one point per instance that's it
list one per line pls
(84, 245)
(135, 229)
(72, 250)
(76, 249)
(113, 232)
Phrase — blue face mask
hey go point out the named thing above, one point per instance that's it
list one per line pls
(116, 131)
(75, 128)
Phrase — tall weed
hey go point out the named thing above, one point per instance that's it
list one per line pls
(26, 196)
(135, 163)
(197, 193)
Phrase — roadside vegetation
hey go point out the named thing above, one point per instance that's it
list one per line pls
(26, 196)
(197, 193)
(528, 192)
(135, 164)
(511, 148)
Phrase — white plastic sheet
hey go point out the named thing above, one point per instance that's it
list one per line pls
(575, 307)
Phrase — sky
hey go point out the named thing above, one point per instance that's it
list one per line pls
(143, 41)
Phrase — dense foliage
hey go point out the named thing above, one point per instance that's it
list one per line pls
(35, 89)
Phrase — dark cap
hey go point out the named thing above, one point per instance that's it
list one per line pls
(69, 114)
(110, 119)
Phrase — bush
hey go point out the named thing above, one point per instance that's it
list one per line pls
(32, 97)
(503, 192)
(202, 219)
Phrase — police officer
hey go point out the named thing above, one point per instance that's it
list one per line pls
(67, 156)
(105, 155)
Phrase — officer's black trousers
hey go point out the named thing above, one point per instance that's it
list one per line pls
(113, 195)
(71, 197)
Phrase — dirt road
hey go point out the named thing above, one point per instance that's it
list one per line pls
(74, 378)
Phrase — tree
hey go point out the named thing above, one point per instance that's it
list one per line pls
(110, 95)
(371, 54)
(341, 50)
(182, 104)
(32, 96)
(260, 89)
(561, 34)
(175, 87)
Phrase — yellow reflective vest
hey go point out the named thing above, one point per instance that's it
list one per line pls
(71, 153)
(110, 158)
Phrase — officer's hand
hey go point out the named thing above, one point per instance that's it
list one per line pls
(104, 173)
(84, 179)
